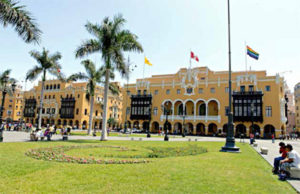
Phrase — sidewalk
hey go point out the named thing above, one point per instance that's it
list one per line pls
(274, 152)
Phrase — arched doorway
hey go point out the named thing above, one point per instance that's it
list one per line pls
(255, 129)
(189, 128)
(71, 123)
(240, 129)
(268, 131)
(189, 107)
(58, 122)
(177, 128)
(84, 125)
(201, 108)
(213, 109)
(178, 108)
(145, 126)
(128, 125)
(225, 128)
(200, 129)
(77, 124)
(65, 122)
(96, 125)
(136, 125)
(155, 127)
(212, 129)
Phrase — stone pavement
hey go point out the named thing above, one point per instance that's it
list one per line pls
(274, 152)
(13, 136)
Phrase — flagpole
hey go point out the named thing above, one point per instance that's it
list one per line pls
(144, 69)
(190, 59)
(246, 58)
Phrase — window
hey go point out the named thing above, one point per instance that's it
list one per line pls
(242, 88)
(8, 112)
(48, 110)
(45, 97)
(226, 89)
(226, 110)
(155, 92)
(10, 100)
(49, 97)
(54, 87)
(167, 91)
(268, 88)
(155, 111)
(50, 87)
(200, 90)
(128, 92)
(10, 106)
(53, 96)
(268, 111)
(145, 92)
(251, 88)
(47, 87)
(53, 110)
(77, 111)
(178, 91)
(96, 113)
(16, 107)
(212, 90)
(128, 110)
(139, 92)
(58, 86)
(202, 78)
(85, 111)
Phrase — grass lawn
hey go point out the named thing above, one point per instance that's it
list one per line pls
(211, 172)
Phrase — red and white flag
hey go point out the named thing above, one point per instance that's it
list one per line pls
(193, 56)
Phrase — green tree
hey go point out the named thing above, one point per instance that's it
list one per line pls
(111, 40)
(16, 15)
(46, 63)
(92, 76)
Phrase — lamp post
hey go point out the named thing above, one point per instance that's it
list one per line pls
(230, 142)
(183, 124)
(252, 112)
(4, 92)
(130, 69)
(168, 111)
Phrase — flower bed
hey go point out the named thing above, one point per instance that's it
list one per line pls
(58, 154)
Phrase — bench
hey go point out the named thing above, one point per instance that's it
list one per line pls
(140, 139)
(255, 144)
(295, 172)
(132, 139)
(33, 137)
(264, 150)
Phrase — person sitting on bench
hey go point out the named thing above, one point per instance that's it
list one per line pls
(292, 160)
(283, 153)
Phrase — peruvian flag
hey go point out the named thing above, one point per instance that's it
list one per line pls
(193, 56)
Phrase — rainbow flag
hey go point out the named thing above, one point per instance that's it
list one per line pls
(252, 53)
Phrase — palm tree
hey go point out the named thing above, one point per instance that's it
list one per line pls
(92, 76)
(111, 40)
(20, 19)
(46, 63)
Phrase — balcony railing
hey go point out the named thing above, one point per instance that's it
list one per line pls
(248, 93)
(192, 118)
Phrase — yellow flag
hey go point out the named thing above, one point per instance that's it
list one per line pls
(147, 62)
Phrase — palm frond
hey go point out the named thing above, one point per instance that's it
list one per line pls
(77, 76)
(114, 89)
(87, 47)
(89, 67)
(128, 41)
(20, 19)
(33, 73)
(93, 29)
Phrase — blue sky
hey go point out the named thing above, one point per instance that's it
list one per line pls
(167, 30)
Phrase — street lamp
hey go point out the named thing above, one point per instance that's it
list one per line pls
(230, 142)
(252, 112)
(183, 124)
(4, 92)
(129, 69)
(168, 111)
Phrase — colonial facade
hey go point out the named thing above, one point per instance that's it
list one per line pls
(198, 100)
(13, 106)
(66, 104)
(297, 106)
(291, 122)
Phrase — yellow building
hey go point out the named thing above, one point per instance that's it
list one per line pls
(66, 104)
(297, 106)
(198, 98)
(13, 106)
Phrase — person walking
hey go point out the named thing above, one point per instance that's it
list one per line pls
(273, 138)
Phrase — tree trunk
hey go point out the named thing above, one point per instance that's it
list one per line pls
(41, 101)
(91, 116)
(104, 120)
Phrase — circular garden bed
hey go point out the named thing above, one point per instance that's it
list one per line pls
(106, 154)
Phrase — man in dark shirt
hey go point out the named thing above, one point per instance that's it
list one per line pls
(283, 153)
